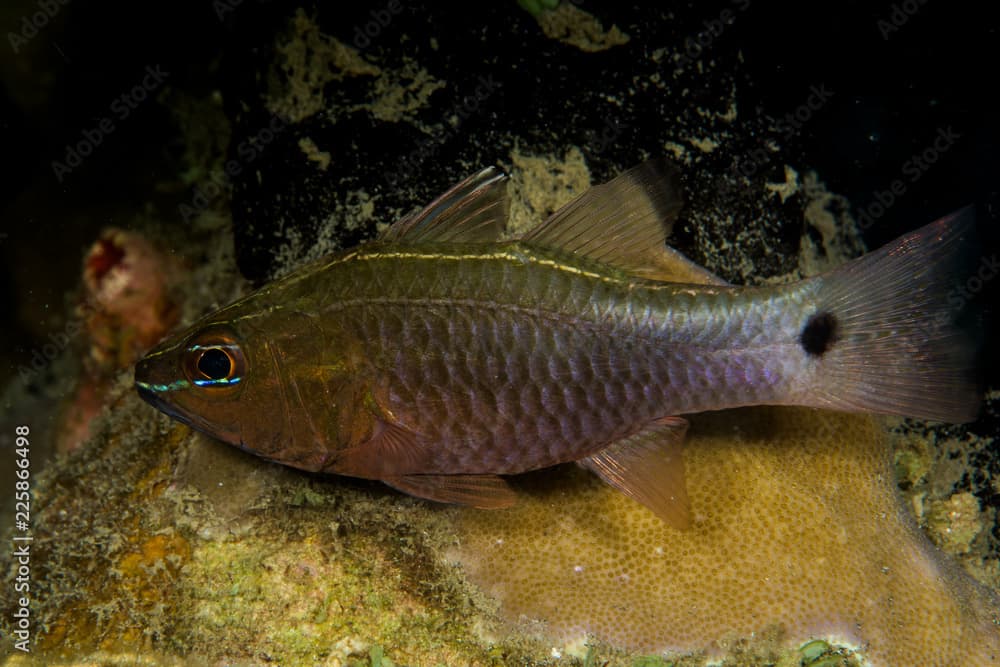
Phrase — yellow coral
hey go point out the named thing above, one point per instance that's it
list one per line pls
(798, 526)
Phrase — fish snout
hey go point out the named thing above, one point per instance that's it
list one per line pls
(153, 379)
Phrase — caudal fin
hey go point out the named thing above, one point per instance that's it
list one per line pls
(884, 335)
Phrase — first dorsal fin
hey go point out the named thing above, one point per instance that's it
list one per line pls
(625, 222)
(473, 211)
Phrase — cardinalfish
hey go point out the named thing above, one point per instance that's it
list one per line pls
(442, 355)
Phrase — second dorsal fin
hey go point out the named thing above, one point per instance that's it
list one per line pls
(625, 222)
(473, 211)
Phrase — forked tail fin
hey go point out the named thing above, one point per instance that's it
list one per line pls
(885, 336)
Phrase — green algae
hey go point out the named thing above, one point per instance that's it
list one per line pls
(811, 651)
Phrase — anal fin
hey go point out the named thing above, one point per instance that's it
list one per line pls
(647, 466)
(482, 491)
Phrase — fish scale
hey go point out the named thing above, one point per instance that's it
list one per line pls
(474, 314)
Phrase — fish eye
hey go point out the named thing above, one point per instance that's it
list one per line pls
(215, 364)
(214, 359)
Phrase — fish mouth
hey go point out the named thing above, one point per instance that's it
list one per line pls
(147, 395)
(153, 398)
(157, 395)
(152, 393)
(194, 421)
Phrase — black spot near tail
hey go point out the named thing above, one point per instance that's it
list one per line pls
(819, 334)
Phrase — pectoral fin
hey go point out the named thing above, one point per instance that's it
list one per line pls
(482, 491)
(394, 452)
(648, 467)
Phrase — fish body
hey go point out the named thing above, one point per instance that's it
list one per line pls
(442, 356)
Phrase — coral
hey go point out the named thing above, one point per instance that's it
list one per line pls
(956, 522)
(309, 60)
(799, 528)
(128, 306)
(949, 492)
